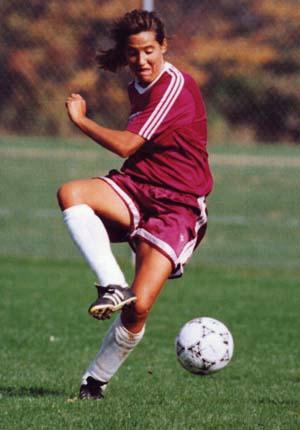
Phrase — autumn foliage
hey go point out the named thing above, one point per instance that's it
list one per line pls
(245, 56)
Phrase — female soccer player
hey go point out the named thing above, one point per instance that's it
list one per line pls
(156, 202)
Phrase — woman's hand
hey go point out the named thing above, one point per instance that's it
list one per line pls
(76, 107)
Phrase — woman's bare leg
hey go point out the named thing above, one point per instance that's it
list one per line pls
(152, 271)
(98, 195)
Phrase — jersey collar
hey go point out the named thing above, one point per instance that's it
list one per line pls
(142, 90)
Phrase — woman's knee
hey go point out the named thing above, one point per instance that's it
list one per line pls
(68, 194)
(137, 312)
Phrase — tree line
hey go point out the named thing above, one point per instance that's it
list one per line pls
(244, 55)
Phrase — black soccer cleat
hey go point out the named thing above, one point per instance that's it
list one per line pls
(92, 390)
(110, 299)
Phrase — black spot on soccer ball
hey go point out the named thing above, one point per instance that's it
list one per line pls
(179, 348)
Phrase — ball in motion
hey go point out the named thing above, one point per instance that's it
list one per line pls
(204, 345)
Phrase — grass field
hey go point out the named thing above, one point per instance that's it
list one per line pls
(246, 274)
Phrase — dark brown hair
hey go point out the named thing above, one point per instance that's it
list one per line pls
(133, 22)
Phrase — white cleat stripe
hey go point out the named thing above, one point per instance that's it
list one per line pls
(119, 293)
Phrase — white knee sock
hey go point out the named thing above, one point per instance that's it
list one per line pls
(115, 348)
(90, 236)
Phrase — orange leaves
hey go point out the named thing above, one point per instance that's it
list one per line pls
(284, 11)
(235, 55)
(85, 79)
(20, 62)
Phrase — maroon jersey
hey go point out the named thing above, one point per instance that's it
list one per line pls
(170, 114)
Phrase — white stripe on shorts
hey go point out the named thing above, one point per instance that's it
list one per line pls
(131, 206)
(188, 250)
(165, 247)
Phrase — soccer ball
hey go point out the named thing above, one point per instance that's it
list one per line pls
(204, 345)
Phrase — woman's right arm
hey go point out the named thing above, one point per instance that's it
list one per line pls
(121, 142)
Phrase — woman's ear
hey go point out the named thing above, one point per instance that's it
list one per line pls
(164, 46)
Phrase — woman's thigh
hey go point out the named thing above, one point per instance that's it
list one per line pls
(100, 196)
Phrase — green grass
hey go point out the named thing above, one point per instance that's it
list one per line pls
(245, 274)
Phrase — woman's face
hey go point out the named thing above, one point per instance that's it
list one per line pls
(145, 56)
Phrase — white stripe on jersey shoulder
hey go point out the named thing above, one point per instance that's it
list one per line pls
(166, 103)
(142, 90)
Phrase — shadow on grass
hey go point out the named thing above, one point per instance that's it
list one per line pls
(29, 392)
(280, 402)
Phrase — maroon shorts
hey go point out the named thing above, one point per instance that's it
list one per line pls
(172, 222)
